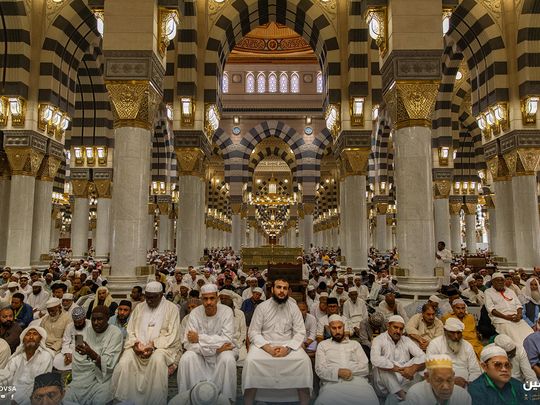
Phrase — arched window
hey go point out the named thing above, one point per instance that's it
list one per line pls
(295, 83)
(225, 83)
(283, 83)
(261, 83)
(272, 82)
(319, 82)
(250, 83)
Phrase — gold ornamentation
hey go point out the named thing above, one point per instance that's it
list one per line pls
(48, 169)
(354, 161)
(236, 208)
(164, 208)
(488, 200)
(469, 208)
(523, 161)
(24, 161)
(134, 103)
(103, 188)
(498, 166)
(151, 208)
(80, 188)
(308, 208)
(441, 188)
(411, 103)
(190, 161)
(382, 208)
(455, 208)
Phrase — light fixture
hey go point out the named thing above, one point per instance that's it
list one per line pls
(308, 120)
(169, 112)
(3, 111)
(332, 119)
(236, 120)
(186, 111)
(376, 21)
(454, 155)
(490, 118)
(481, 121)
(211, 118)
(64, 123)
(100, 20)
(500, 112)
(102, 153)
(383, 185)
(45, 113)
(78, 154)
(473, 186)
(90, 157)
(56, 118)
(459, 76)
(375, 113)
(357, 111)
(447, 13)
(529, 108)
(444, 153)
(457, 186)
(168, 25)
(17, 110)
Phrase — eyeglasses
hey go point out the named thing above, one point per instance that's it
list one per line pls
(499, 365)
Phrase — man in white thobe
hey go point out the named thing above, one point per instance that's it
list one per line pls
(355, 310)
(240, 327)
(248, 292)
(38, 298)
(211, 352)
(94, 361)
(152, 345)
(395, 359)
(505, 310)
(31, 359)
(276, 362)
(443, 259)
(342, 367)
(451, 343)
(63, 360)
(439, 385)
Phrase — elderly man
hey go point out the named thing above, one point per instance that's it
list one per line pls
(67, 303)
(323, 329)
(318, 310)
(249, 305)
(390, 307)
(473, 294)
(434, 301)
(355, 310)
(342, 367)
(459, 350)
(395, 359)
(152, 345)
(521, 368)
(363, 291)
(438, 386)
(210, 348)
(38, 299)
(240, 327)
(496, 385)
(469, 332)
(31, 359)
(94, 360)
(248, 292)
(276, 360)
(63, 360)
(369, 329)
(10, 330)
(54, 323)
(424, 327)
(505, 310)
(191, 278)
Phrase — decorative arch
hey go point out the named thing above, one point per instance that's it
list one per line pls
(528, 49)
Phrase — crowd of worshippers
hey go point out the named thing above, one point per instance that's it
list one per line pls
(352, 340)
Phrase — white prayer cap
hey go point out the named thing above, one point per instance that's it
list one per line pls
(491, 351)
(434, 298)
(184, 285)
(454, 325)
(323, 294)
(438, 361)
(511, 271)
(335, 317)
(357, 278)
(204, 393)
(53, 302)
(12, 284)
(37, 284)
(24, 275)
(154, 287)
(505, 342)
(209, 288)
(257, 290)
(77, 273)
(226, 292)
(469, 279)
(67, 296)
(353, 289)
(396, 318)
(250, 278)
(458, 301)
(467, 269)
(71, 273)
(310, 287)
(497, 275)
(15, 275)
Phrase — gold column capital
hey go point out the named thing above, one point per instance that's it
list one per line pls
(441, 189)
(455, 207)
(152, 208)
(80, 188)
(236, 208)
(469, 208)
(103, 188)
(48, 169)
(523, 161)
(308, 208)
(382, 208)
(190, 162)
(164, 208)
(354, 161)
(411, 103)
(498, 168)
(24, 161)
(134, 103)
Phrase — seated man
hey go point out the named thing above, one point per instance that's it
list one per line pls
(94, 361)
(54, 323)
(276, 360)
(531, 344)
(395, 359)
(49, 389)
(434, 301)
(210, 348)
(249, 305)
(310, 344)
(318, 310)
(342, 367)
(473, 294)
(459, 350)
(354, 310)
(31, 359)
(390, 306)
(23, 312)
(521, 368)
(121, 318)
(240, 327)
(323, 330)
(152, 345)
(10, 330)
(459, 311)
(63, 360)
(369, 329)
(439, 386)
(424, 327)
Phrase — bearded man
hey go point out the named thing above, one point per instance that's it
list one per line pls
(62, 361)
(9, 329)
(55, 323)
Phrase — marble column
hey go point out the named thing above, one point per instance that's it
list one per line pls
(252, 236)
(441, 209)
(492, 234)
(188, 244)
(504, 214)
(308, 230)
(150, 232)
(382, 208)
(53, 234)
(172, 232)
(455, 230)
(5, 185)
(236, 234)
(526, 220)
(163, 232)
(414, 199)
(470, 232)
(243, 228)
(102, 242)
(355, 229)
(301, 236)
(80, 226)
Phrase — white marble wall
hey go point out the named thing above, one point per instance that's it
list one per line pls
(442, 221)
(188, 243)
(5, 186)
(470, 232)
(455, 233)
(526, 221)
(103, 227)
(79, 227)
(355, 227)
(163, 233)
(236, 240)
(504, 212)
(381, 233)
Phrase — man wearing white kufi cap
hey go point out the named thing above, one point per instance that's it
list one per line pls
(438, 387)
(67, 303)
(211, 351)
(342, 367)
(54, 323)
(38, 298)
(355, 310)
(459, 350)
(248, 292)
(152, 344)
(396, 359)
(505, 310)
(521, 367)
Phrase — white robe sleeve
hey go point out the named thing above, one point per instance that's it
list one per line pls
(417, 355)
(359, 360)
(299, 329)
(169, 335)
(209, 343)
(322, 368)
(378, 359)
(255, 328)
(67, 345)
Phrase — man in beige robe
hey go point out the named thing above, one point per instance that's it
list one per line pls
(55, 323)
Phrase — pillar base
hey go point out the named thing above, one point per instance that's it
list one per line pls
(104, 259)
(415, 287)
(121, 286)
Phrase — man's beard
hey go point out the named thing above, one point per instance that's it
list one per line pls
(535, 295)
(338, 338)
(454, 347)
(280, 300)
(6, 324)
(81, 327)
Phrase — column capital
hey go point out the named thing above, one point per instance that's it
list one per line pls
(103, 182)
(80, 182)
(454, 205)
(308, 208)
(523, 161)
(441, 189)
(164, 203)
(25, 150)
(48, 169)
(489, 202)
(382, 208)
(469, 208)
(498, 168)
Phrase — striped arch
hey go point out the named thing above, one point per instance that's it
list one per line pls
(260, 153)
(67, 39)
(478, 38)
(162, 148)
(528, 49)
(186, 56)
(15, 36)
(242, 16)
(381, 154)
(358, 63)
